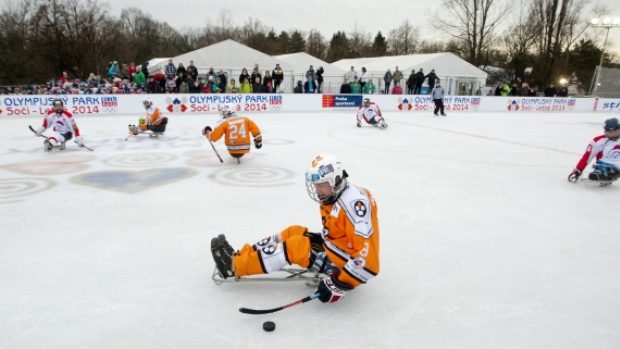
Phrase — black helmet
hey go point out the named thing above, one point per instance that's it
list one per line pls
(611, 124)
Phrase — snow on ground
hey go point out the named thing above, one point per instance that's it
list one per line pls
(484, 242)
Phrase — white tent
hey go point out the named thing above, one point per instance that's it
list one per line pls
(301, 61)
(230, 56)
(456, 74)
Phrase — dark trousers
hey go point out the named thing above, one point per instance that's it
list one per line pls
(161, 128)
(387, 88)
(438, 106)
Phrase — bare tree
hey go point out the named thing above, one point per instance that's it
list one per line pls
(403, 40)
(316, 44)
(472, 23)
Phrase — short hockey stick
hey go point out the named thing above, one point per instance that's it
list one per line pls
(273, 310)
(216, 153)
(35, 132)
(83, 146)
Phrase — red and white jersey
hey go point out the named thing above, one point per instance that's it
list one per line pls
(368, 113)
(61, 122)
(601, 148)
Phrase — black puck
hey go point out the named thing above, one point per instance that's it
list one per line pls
(269, 326)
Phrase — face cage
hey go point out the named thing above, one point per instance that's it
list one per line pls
(312, 191)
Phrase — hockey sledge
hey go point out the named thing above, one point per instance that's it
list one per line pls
(591, 183)
(311, 278)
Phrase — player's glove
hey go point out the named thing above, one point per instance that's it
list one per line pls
(39, 131)
(316, 241)
(359, 124)
(79, 141)
(258, 144)
(574, 176)
(206, 130)
(330, 290)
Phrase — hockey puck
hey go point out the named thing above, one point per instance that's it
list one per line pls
(269, 326)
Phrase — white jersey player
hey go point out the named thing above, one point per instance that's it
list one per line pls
(606, 150)
(370, 113)
(63, 126)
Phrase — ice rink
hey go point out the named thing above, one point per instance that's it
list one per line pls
(484, 243)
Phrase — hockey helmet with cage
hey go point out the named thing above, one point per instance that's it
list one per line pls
(326, 169)
(58, 105)
(611, 124)
(228, 110)
(147, 102)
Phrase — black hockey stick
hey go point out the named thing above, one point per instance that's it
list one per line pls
(216, 153)
(273, 310)
(35, 132)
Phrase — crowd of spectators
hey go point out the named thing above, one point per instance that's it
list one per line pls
(505, 89)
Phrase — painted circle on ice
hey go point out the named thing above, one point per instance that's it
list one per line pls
(15, 189)
(137, 159)
(276, 141)
(262, 176)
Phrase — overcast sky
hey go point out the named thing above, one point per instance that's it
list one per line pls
(370, 15)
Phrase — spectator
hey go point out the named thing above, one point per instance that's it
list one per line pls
(419, 80)
(351, 75)
(563, 91)
(505, 90)
(64, 78)
(145, 69)
(245, 87)
(356, 88)
(345, 88)
(211, 73)
(299, 88)
(278, 75)
(550, 91)
(319, 79)
(213, 85)
(171, 84)
(267, 82)
(131, 70)
(369, 88)
(114, 71)
(256, 74)
(397, 90)
(432, 77)
(309, 85)
(498, 89)
(192, 71)
(170, 70)
(387, 79)
(139, 79)
(363, 78)
(257, 86)
(514, 89)
(222, 78)
(311, 76)
(397, 77)
(232, 87)
(181, 70)
(411, 82)
(93, 81)
(183, 86)
(244, 76)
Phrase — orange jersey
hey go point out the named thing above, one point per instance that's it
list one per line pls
(237, 131)
(153, 116)
(351, 235)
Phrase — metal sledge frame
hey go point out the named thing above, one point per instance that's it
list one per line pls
(291, 274)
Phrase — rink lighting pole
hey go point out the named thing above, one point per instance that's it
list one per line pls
(606, 23)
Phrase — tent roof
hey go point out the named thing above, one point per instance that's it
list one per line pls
(445, 64)
(227, 54)
(301, 61)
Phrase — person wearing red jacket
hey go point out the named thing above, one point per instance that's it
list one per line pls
(606, 150)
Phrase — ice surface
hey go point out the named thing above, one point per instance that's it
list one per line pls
(484, 242)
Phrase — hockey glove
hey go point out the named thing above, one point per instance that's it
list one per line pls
(258, 144)
(39, 131)
(206, 130)
(574, 176)
(79, 141)
(359, 124)
(330, 290)
(316, 241)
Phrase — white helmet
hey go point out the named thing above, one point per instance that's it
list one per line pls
(326, 168)
(147, 102)
(228, 110)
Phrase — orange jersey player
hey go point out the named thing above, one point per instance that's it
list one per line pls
(237, 132)
(153, 122)
(346, 251)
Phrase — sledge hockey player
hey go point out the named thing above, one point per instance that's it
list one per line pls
(154, 122)
(346, 251)
(63, 126)
(237, 131)
(606, 149)
(370, 112)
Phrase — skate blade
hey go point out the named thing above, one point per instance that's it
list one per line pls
(310, 278)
